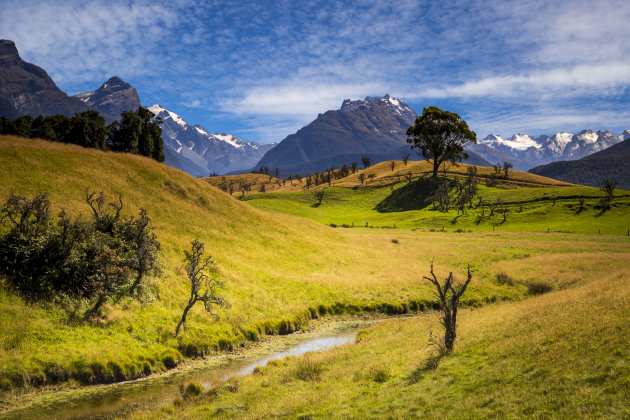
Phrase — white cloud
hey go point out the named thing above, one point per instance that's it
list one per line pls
(576, 81)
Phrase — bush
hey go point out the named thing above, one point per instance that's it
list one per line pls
(379, 374)
(98, 259)
(538, 287)
(191, 390)
(504, 279)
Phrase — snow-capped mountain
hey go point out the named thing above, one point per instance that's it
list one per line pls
(374, 127)
(195, 150)
(526, 152)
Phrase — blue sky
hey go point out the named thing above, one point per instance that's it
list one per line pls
(263, 69)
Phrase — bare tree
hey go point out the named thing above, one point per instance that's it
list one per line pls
(361, 177)
(353, 166)
(506, 167)
(392, 165)
(367, 162)
(202, 286)
(449, 296)
(608, 188)
(405, 158)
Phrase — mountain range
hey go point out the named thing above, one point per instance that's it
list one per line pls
(526, 152)
(612, 163)
(195, 150)
(374, 127)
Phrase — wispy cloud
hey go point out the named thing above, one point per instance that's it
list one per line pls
(271, 66)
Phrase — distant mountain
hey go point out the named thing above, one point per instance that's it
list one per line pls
(374, 127)
(198, 152)
(26, 89)
(113, 97)
(526, 152)
(612, 163)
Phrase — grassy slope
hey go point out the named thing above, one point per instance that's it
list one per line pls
(560, 355)
(274, 267)
(531, 207)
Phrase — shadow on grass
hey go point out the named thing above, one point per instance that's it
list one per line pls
(415, 195)
(429, 365)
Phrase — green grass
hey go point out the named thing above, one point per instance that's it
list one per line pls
(400, 204)
(278, 271)
(563, 354)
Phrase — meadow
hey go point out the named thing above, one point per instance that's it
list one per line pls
(394, 198)
(281, 269)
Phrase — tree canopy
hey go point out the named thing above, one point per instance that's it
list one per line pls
(440, 136)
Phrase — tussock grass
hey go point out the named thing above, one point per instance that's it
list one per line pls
(279, 271)
(563, 354)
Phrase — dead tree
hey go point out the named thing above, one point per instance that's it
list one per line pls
(506, 167)
(449, 296)
(202, 286)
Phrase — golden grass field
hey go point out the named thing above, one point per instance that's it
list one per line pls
(276, 267)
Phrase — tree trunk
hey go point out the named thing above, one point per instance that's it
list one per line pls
(101, 300)
(183, 320)
(436, 166)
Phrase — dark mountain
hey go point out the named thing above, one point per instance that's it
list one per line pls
(374, 127)
(198, 152)
(612, 163)
(371, 127)
(113, 97)
(26, 89)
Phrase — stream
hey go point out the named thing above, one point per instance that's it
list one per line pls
(125, 398)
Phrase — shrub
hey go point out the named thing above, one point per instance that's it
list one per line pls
(95, 260)
(379, 374)
(538, 287)
(171, 358)
(503, 278)
(191, 390)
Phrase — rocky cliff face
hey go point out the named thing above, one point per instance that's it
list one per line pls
(26, 89)
(113, 97)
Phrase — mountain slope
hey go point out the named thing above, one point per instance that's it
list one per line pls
(200, 152)
(113, 97)
(374, 126)
(612, 163)
(27, 89)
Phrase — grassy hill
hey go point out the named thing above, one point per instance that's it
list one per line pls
(559, 354)
(400, 198)
(278, 270)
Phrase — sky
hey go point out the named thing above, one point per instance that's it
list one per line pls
(263, 69)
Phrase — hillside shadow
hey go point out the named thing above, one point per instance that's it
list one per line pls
(415, 195)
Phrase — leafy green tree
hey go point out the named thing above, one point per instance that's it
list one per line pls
(124, 135)
(440, 136)
(88, 129)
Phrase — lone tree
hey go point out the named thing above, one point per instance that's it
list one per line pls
(449, 301)
(608, 188)
(202, 286)
(440, 136)
(319, 195)
(506, 167)
(367, 162)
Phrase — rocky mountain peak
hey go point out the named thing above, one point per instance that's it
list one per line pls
(9, 55)
(113, 97)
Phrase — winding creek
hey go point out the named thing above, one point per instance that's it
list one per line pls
(123, 399)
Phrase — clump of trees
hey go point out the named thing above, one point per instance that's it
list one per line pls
(84, 260)
(202, 286)
(136, 132)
